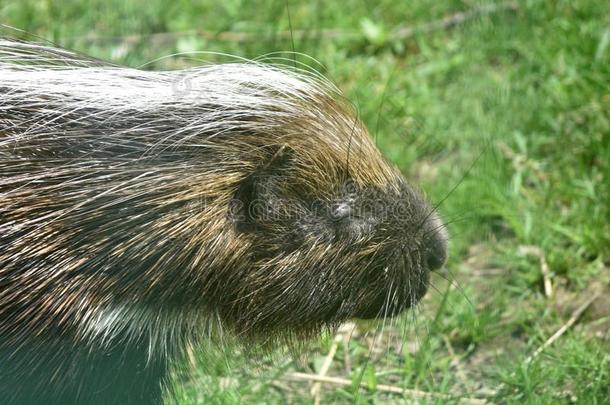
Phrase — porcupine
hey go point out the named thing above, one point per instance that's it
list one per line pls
(136, 206)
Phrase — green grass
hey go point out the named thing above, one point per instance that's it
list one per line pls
(522, 96)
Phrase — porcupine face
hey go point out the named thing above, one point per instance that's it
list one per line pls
(322, 253)
(334, 231)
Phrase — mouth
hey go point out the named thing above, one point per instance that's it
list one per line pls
(376, 311)
(392, 302)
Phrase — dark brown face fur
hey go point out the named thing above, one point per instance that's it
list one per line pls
(320, 256)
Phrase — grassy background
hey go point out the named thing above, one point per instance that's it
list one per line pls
(521, 95)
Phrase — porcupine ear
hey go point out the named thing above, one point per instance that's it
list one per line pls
(244, 207)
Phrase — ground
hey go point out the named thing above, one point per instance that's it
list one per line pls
(500, 111)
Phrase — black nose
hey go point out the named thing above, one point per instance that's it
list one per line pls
(435, 259)
(435, 246)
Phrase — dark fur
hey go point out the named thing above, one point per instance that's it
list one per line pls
(128, 223)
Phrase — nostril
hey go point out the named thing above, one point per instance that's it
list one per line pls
(435, 259)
